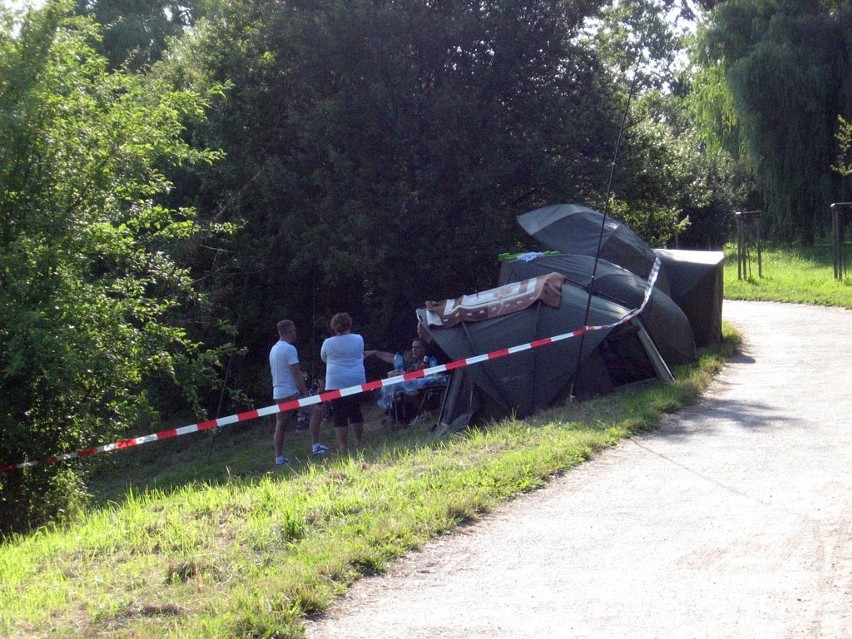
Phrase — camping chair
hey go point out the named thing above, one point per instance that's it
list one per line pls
(425, 399)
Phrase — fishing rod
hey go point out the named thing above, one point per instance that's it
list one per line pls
(614, 163)
(225, 380)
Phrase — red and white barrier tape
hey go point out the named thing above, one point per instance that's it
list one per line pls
(327, 396)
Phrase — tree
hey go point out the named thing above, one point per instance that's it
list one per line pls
(777, 73)
(652, 176)
(844, 147)
(89, 291)
(136, 33)
(379, 151)
(669, 185)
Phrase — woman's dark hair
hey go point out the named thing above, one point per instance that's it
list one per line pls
(341, 323)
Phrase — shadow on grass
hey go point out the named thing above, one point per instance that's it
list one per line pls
(240, 452)
(243, 451)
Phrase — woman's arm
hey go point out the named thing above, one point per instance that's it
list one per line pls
(382, 355)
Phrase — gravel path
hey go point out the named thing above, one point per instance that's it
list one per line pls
(734, 519)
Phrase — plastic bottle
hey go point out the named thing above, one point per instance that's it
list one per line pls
(398, 362)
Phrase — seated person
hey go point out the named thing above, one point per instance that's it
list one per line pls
(404, 394)
(432, 349)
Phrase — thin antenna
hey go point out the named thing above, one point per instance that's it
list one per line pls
(605, 214)
(225, 380)
(314, 350)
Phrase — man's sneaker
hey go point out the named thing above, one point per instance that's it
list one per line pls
(319, 449)
(281, 460)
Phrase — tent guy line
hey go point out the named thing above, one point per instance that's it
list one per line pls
(334, 394)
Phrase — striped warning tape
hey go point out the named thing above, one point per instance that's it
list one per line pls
(327, 396)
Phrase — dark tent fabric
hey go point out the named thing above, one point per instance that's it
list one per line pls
(576, 230)
(532, 380)
(696, 282)
(666, 322)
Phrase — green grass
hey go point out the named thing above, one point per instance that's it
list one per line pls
(199, 538)
(799, 275)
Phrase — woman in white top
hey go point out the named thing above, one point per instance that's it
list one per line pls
(343, 355)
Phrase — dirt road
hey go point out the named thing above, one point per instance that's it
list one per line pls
(734, 519)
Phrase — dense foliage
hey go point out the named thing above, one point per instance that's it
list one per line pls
(844, 148)
(378, 152)
(374, 154)
(91, 302)
(136, 33)
(776, 75)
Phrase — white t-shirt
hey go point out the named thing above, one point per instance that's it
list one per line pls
(344, 358)
(281, 357)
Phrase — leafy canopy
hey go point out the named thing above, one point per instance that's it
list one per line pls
(776, 74)
(378, 152)
(88, 287)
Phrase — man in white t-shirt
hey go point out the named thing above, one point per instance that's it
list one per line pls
(288, 383)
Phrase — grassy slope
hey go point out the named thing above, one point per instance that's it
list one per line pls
(800, 275)
(197, 537)
(207, 542)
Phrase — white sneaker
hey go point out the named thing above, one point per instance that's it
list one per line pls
(281, 460)
(319, 449)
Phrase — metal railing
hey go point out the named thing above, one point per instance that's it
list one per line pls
(837, 232)
(748, 225)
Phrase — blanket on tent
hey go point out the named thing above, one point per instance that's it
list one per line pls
(496, 302)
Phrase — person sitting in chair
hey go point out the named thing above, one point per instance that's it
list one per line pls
(432, 349)
(401, 400)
